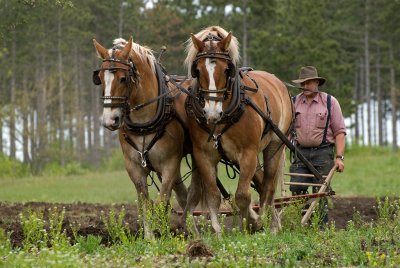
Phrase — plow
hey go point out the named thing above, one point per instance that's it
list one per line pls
(284, 200)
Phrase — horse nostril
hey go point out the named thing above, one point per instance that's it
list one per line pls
(116, 120)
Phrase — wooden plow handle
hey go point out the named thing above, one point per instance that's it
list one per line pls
(328, 179)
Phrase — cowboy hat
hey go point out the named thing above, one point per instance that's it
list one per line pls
(308, 73)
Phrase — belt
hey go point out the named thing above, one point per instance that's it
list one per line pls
(322, 146)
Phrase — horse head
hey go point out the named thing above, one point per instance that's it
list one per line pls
(213, 67)
(117, 75)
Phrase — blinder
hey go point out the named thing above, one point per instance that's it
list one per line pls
(231, 71)
(96, 78)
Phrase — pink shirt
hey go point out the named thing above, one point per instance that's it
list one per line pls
(311, 120)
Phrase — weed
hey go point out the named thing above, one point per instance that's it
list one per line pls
(115, 226)
(385, 210)
(89, 244)
(33, 226)
(57, 235)
(5, 242)
(291, 216)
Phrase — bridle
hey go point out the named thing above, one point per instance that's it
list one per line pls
(230, 71)
(164, 113)
(131, 79)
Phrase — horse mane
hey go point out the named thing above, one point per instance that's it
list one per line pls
(191, 51)
(144, 53)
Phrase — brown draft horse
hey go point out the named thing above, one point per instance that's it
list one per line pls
(228, 120)
(149, 115)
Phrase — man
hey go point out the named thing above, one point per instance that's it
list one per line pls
(319, 128)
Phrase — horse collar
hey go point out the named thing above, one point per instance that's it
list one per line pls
(164, 113)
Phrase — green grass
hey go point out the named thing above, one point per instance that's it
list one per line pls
(361, 244)
(368, 172)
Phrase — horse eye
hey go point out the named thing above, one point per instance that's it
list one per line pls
(122, 80)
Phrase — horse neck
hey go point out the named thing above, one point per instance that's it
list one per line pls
(146, 90)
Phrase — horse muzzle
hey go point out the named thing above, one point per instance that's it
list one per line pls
(112, 122)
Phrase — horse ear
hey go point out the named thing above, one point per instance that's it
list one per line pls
(101, 51)
(224, 43)
(198, 44)
(127, 49)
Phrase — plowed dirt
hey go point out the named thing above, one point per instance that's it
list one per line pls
(87, 217)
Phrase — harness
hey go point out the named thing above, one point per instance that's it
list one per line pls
(195, 102)
(164, 114)
(165, 106)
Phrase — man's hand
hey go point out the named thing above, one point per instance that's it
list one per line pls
(339, 164)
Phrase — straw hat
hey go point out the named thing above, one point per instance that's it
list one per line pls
(308, 73)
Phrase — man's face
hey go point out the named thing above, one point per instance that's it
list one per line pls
(312, 85)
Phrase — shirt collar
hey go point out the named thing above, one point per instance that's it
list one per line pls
(304, 98)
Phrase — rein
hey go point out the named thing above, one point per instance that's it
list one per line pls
(165, 106)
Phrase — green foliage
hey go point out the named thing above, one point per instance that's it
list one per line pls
(10, 168)
(358, 245)
(89, 244)
(5, 242)
(40, 233)
(57, 236)
(113, 162)
(115, 226)
(33, 226)
(70, 169)
(155, 217)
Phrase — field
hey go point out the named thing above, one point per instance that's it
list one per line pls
(45, 219)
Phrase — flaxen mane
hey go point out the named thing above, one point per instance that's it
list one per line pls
(192, 52)
(144, 53)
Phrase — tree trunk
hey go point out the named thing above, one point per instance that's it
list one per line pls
(79, 108)
(356, 102)
(95, 122)
(41, 129)
(121, 18)
(367, 72)
(393, 99)
(13, 90)
(245, 33)
(60, 93)
(71, 134)
(362, 103)
(25, 105)
(3, 87)
(1, 137)
(379, 97)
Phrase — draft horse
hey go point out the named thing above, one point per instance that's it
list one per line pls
(148, 114)
(229, 111)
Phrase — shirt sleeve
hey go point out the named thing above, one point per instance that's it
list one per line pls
(337, 121)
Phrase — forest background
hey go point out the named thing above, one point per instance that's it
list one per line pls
(50, 111)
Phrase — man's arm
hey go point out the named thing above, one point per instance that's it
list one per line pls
(340, 143)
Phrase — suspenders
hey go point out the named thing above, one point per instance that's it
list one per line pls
(328, 106)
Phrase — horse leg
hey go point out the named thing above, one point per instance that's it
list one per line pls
(258, 177)
(194, 195)
(181, 192)
(273, 171)
(207, 167)
(248, 164)
(170, 175)
(139, 178)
